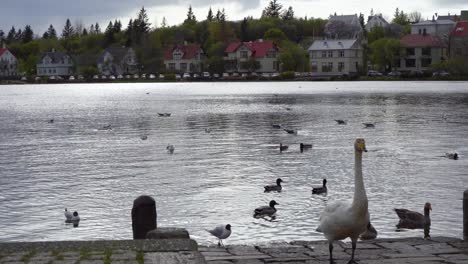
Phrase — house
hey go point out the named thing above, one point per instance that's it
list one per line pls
(259, 56)
(54, 63)
(459, 41)
(419, 51)
(117, 61)
(343, 27)
(184, 58)
(376, 21)
(447, 17)
(8, 63)
(464, 15)
(335, 57)
(440, 28)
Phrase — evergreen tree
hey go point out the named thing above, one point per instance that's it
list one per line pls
(97, 28)
(67, 31)
(141, 23)
(85, 32)
(11, 35)
(109, 35)
(223, 16)
(210, 15)
(243, 29)
(2, 36)
(51, 32)
(164, 22)
(272, 10)
(218, 16)
(91, 29)
(27, 35)
(19, 35)
(117, 26)
(190, 16)
(288, 14)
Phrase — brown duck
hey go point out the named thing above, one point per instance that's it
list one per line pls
(414, 220)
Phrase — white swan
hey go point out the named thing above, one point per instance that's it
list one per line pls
(340, 220)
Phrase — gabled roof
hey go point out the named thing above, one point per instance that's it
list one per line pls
(348, 19)
(259, 48)
(339, 44)
(56, 56)
(420, 40)
(189, 51)
(117, 52)
(435, 22)
(460, 30)
(3, 50)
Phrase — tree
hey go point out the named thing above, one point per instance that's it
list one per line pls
(243, 29)
(272, 10)
(67, 31)
(190, 16)
(164, 23)
(117, 26)
(51, 33)
(141, 23)
(414, 17)
(85, 32)
(288, 14)
(376, 33)
(97, 28)
(28, 34)
(363, 25)
(400, 18)
(109, 34)
(210, 17)
(11, 35)
(276, 35)
(384, 52)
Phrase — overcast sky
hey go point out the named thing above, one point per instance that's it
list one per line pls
(40, 13)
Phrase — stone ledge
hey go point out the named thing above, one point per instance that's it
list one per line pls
(168, 233)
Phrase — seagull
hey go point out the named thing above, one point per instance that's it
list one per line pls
(221, 232)
(340, 122)
(170, 148)
(68, 216)
(276, 187)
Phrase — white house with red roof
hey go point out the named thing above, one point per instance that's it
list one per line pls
(184, 58)
(459, 41)
(419, 51)
(239, 56)
(8, 63)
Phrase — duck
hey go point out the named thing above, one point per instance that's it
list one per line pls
(340, 122)
(50, 121)
(207, 130)
(453, 156)
(276, 126)
(341, 220)
(269, 210)
(415, 220)
(368, 125)
(290, 131)
(283, 148)
(276, 187)
(144, 137)
(170, 148)
(68, 215)
(106, 127)
(75, 218)
(303, 146)
(370, 233)
(320, 190)
(221, 232)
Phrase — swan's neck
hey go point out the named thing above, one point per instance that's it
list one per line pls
(360, 197)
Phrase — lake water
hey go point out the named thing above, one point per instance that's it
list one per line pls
(218, 177)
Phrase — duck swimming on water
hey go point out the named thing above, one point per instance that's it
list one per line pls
(269, 210)
(320, 190)
(276, 187)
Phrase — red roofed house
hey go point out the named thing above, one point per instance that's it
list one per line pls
(8, 63)
(419, 51)
(184, 58)
(264, 52)
(459, 41)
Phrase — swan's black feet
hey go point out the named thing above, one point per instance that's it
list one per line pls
(352, 262)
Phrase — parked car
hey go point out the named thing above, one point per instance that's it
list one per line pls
(440, 73)
(266, 75)
(103, 77)
(394, 73)
(80, 77)
(112, 77)
(143, 76)
(275, 74)
(152, 76)
(135, 76)
(24, 78)
(215, 75)
(119, 76)
(161, 76)
(186, 75)
(244, 75)
(71, 78)
(196, 75)
(127, 76)
(206, 75)
(414, 73)
(373, 73)
(177, 76)
(235, 74)
(225, 75)
(95, 77)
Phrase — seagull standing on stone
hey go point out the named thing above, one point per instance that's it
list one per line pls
(221, 232)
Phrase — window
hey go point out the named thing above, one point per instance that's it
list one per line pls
(410, 63)
(426, 51)
(177, 55)
(425, 62)
(410, 51)
(172, 66)
(183, 67)
(324, 54)
(340, 66)
(271, 54)
(330, 66)
(244, 54)
(325, 67)
(330, 54)
(341, 54)
(313, 66)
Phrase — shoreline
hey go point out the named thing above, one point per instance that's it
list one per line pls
(446, 250)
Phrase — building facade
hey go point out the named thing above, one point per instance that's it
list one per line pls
(343, 27)
(335, 57)
(259, 56)
(117, 61)
(8, 63)
(440, 28)
(459, 41)
(419, 51)
(54, 64)
(376, 21)
(184, 58)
